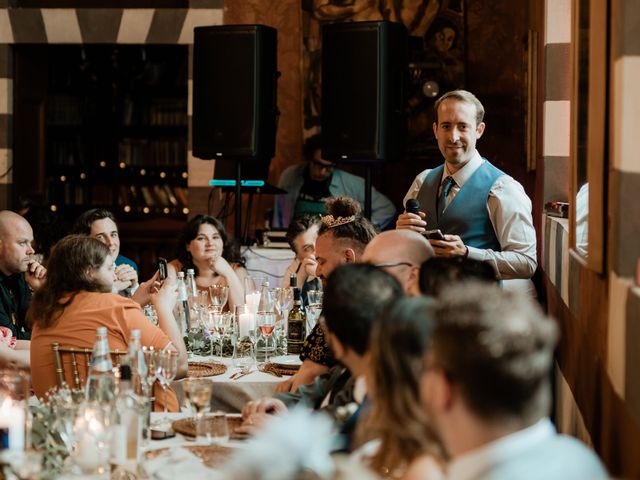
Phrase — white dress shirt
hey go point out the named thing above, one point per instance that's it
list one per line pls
(509, 210)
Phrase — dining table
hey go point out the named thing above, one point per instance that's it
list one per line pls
(235, 387)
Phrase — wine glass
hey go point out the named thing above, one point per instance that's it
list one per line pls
(219, 295)
(314, 297)
(266, 322)
(211, 319)
(286, 301)
(313, 313)
(166, 370)
(197, 393)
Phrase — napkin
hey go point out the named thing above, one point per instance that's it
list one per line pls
(178, 463)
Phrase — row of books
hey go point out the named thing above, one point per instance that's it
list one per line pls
(160, 112)
(153, 195)
(136, 152)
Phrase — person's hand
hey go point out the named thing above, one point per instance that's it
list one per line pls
(253, 423)
(164, 299)
(451, 246)
(143, 294)
(412, 221)
(285, 386)
(308, 266)
(127, 275)
(36, 275)
(266, 405)
(221, 266)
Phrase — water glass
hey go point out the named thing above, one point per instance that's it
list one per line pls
(314, 297)
(197, 392)
(215, 429)
(313, 314)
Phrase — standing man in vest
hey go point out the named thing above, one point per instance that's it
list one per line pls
(483, 213)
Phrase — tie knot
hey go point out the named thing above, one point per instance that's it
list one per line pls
(446, 185)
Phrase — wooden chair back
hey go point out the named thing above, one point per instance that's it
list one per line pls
(74, 353)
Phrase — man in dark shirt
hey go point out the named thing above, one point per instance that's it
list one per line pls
(19, 273)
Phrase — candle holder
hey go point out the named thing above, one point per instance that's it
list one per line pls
(91, 441)
(244, 354)
(14, 411)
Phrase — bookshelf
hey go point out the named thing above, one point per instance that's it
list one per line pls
(115, 129)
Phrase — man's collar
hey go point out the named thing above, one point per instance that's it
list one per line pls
(465, 173)
(478, 462)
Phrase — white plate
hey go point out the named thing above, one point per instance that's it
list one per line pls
(286, 360)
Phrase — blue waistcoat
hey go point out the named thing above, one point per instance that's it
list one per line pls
(466, 215)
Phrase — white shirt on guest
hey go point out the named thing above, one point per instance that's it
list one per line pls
(509, 210)
(536, 452)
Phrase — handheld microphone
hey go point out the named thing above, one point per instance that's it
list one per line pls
(412, 206)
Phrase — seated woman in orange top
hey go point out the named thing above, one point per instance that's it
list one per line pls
(77, 299)
(205, 247)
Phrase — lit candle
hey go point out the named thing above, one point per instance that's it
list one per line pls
(246, 322)
(87, 454)
(12, 417)
(252, 300)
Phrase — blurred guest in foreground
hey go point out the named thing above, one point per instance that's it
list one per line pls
(301, 235)
(342, 237)
(400, 253)
(355, 297)
(439, 273)
(486, 388)
(401, 442)
(77, 299)
(101, 224)
(205, 246)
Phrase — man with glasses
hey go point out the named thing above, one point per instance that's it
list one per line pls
(400, 253)
(310, 184)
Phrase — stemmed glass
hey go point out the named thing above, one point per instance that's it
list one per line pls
(285, 301)
(219, 295)
(313, 307)
(166, 370)
(198, 395)
(266, 322)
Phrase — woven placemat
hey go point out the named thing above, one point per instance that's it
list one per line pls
(187, 427)
(206, 369)
(211, 455)
(280, 369)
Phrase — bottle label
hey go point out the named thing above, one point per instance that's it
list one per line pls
(295, 338)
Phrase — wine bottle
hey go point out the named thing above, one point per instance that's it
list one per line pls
(296, 324)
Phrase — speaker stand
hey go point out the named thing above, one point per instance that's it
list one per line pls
(237, 227)
(367, 191)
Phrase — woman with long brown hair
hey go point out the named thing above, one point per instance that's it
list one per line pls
(400, 443)
(76, 300)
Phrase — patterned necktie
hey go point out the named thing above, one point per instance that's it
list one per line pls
(446, 188)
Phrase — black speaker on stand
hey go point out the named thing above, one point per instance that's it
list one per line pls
(364, 66)
(235, 100)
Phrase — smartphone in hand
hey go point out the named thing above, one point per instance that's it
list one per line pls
(162, 268)
(434, 234)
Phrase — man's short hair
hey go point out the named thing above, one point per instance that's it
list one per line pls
(310, 146)
(461, 96)
(438, 273)
(82, 225)
(355, 295)
(497, 347)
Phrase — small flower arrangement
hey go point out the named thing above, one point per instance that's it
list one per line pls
(52, 428)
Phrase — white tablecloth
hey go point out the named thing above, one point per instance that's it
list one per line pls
(231, 395)
(272, 262)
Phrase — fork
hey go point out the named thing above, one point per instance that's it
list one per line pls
(246, 370)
